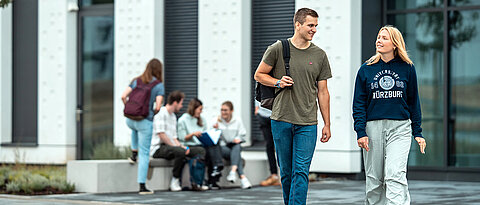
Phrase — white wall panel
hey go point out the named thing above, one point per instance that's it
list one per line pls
(338, 33)
(6, 75)
(138, 38)
(42, 154)
(224, 57)
(56, 73)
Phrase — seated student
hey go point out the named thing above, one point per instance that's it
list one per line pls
(233, 134)
(190, 126)
(165, 143)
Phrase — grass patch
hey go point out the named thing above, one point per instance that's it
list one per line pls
(34, 180)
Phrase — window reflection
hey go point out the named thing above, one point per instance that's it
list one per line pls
(97, 82)
(93, 2)
(465, 92)
(413, 4)
(423, 33)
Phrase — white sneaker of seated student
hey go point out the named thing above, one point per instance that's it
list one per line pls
(232, 177)
(245, 183)
(175, 185)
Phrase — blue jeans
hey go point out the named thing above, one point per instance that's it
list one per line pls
(295, 145)
(141, 139)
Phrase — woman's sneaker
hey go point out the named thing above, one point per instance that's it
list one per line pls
(144, 190)
(272, 180)
(232, 177)
(133, 159)
(245, 183)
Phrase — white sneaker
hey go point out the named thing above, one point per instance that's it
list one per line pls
(175, 184)
(204, 187)
(232, 177)
(245, 183)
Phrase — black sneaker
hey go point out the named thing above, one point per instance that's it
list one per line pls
(213, 185)
(133, 159)
(144, 191)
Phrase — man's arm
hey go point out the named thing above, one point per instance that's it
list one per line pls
(324, 103)
(165, 139)
(262, 76)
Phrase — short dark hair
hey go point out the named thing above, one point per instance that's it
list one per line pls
(175, 96)
(302, 14)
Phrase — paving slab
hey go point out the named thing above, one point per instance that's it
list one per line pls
(328, 191)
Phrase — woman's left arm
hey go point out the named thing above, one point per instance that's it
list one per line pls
(413, 102)
(241, 132)
(158, 103)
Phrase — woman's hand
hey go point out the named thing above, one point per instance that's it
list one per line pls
(363, 143)
(197, 133)
(422, 143)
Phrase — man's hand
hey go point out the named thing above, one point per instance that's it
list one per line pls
(363, 143)
(236, 141)
(286, 81)
(422, 143)
(325, 134)
(187, 149)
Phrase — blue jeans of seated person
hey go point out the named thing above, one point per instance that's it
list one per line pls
(295, 145)
(141, 139)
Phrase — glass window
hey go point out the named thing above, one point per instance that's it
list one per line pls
(423, 35)
(465, 91)
(464, 2)
(97, 82)
(413, 4)
(93, 2)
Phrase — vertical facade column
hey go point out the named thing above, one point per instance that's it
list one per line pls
(57, 49)
(339, 35)
(6, 74)
(138, 38)
(224, 44)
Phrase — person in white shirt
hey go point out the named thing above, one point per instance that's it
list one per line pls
(233, 134)
(165, 143)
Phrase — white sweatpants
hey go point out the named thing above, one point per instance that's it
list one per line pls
(386, 162)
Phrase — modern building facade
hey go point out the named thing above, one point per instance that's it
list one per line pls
(65, 64)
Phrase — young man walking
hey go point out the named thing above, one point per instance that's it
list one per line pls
(294, 112)
(165, 143)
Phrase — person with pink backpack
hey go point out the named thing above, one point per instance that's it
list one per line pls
(143, 99)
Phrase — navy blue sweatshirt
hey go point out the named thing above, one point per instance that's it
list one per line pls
(386, 91)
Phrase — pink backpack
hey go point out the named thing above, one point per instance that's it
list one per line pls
(137, 106)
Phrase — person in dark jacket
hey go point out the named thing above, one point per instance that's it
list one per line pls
(386, 112)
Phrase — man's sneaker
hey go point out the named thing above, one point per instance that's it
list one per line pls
(232, 177)
(175, 184)
(213, 185)
(245, 183)
(204, 187)
(272, 180)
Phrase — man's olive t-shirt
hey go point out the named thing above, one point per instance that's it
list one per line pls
(298, 104)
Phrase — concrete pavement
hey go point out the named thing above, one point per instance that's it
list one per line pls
(327, 191)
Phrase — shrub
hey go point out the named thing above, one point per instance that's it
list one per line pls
(13, 187)
(107, 150)
(34, 180)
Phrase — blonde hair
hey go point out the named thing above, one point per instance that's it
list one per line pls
(397, 40)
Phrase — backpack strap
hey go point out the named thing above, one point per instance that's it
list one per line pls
(286, 55)
(286, 60)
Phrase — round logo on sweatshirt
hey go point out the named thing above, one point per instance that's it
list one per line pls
(387, 82)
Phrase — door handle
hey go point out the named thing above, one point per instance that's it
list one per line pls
(78, 114)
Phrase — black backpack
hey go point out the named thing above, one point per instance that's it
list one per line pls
(265, 94)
